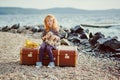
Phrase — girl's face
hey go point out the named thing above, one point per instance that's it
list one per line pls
(49, 22)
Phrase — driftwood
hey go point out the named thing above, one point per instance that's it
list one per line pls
(96, 26)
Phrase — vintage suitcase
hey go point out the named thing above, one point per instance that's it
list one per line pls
(29, 56)
(46, 59)
(67, 56)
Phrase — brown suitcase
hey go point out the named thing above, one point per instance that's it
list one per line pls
(29, 56)
(46, 59)
(67, 56)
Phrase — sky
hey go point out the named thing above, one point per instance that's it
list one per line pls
(79, 4)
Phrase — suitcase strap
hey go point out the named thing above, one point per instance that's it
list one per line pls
(58, 55)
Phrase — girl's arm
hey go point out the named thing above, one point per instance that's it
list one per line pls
(43, 37)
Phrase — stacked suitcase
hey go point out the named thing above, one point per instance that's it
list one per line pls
(63, 56)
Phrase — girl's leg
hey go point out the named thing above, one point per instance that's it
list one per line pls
(41, 51)
(49, 50)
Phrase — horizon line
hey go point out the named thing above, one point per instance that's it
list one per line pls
(59, 7)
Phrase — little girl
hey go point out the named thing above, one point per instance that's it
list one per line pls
(50, 24)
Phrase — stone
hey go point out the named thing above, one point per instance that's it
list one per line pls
(77, 29)
(83, 36)
(64, 42)
(5, 29)
(15, 26)
(110, 45)
(41, 28)
(35, 29)
(94, 38)
(21, 29)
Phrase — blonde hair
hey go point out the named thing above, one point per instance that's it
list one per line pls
(55, 24)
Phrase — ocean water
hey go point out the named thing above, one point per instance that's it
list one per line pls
(69, 20)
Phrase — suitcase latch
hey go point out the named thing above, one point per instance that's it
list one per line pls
(67, 56)
(30, 54)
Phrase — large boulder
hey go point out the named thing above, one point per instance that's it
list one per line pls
(112, 45)
(77, 29)
(15, 26)
(75, 40)
(93, 39)
(5, 28)
(83, 36)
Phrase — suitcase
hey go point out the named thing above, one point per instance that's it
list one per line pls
(29, 56)
(46, 59)
(67, 56)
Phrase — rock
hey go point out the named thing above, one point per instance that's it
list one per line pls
(64, 42)
(110, 45)
(63, 34)
(103, 40)
(41, 28)
(21, 29)
(35, 29)
(84, 42)
(5, 29)
(13, 31)
(90, 35)
(83, 36)
(28, 27)
(77, 29)
(75, 40)
(94, 39)
(61, 26)
(98, 41)
(67, 30)
(27, 32)
(70, 35)
(15, 26)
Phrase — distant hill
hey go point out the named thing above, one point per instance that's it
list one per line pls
(17, 10)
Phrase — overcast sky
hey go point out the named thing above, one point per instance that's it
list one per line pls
(80, 4)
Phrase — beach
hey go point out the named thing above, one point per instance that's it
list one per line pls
(87, 68)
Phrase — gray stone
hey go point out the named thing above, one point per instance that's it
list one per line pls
(5, 28)
(21, 29)
(35, 29)
(15, 26)
(41, 28)
(77, 29)
(64, 42)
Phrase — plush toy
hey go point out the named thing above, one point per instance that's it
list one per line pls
(51, 39)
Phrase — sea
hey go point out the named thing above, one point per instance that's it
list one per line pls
(69, 21)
